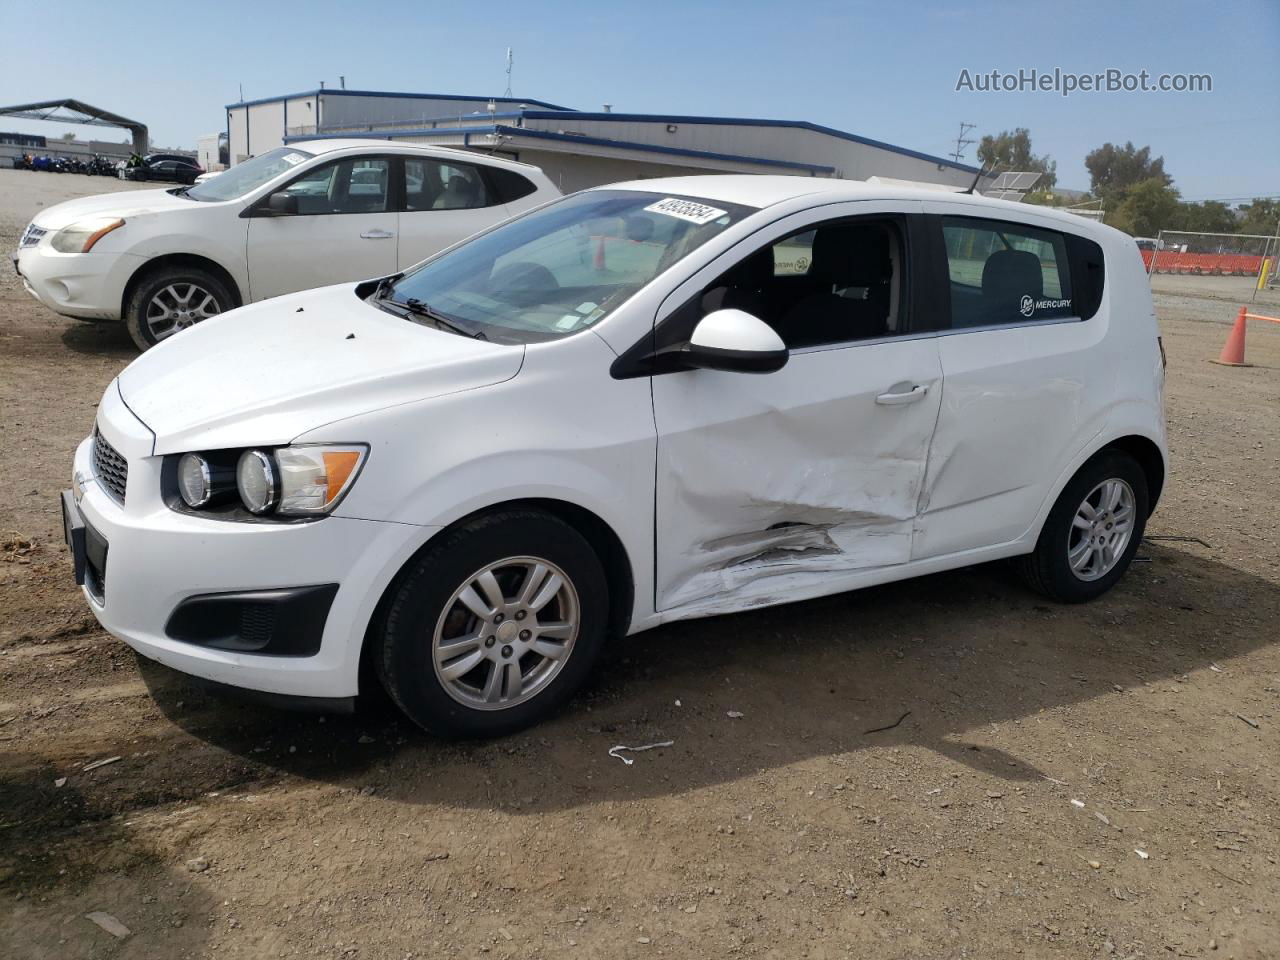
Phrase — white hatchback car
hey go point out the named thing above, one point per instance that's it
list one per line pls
(297, 217)
(468, 476)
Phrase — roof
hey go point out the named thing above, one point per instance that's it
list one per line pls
(509, 132)
(339, 92)
(743, 122)
(765, 191)
(380, 145)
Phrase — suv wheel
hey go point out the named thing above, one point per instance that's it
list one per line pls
(494, 627)
(171, 300)
(1092, 532)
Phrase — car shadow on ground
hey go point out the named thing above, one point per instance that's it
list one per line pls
(931, 660)
(108, 340)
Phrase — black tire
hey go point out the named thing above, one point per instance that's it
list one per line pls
(404, 661)
(1047, 569)
(135, 316)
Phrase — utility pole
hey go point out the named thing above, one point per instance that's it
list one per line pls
(962, 141)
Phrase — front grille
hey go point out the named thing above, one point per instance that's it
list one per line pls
(111, 468)
(31, 236)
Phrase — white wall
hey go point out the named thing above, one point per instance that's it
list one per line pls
(266, 127)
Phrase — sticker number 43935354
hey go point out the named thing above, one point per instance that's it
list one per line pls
(686, 210)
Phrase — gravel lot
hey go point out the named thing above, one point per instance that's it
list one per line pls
(1040, 747)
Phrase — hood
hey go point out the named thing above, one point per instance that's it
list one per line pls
(125, 204)
(267, 373)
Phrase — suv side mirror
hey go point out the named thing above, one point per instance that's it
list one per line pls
(735, 341)
(281, 205)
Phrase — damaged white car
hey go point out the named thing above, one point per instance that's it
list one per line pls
(641, 403)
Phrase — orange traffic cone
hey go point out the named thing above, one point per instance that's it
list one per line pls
(1233, 350)
(599, 263)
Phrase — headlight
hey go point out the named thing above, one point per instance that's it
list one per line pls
(256, 480)
(195, 481)
(303, 481)
(79, 237)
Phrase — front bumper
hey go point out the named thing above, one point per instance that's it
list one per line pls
(156, 559)
(88, 286)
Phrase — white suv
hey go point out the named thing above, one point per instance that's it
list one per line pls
(469, 476)
(301, 216)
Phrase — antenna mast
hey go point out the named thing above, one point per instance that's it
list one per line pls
(509, 59)
(962, 141)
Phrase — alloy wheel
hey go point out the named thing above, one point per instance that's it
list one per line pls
(178, 306)
(506, 633)
(1101, 530)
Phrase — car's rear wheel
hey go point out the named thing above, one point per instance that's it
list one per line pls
(172, 299)
(1092, 532)
(494, 627)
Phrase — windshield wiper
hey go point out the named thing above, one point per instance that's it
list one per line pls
(384, 285)
(419, 309)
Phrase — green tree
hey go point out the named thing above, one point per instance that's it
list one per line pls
(1208, 217)
(1113, 170)
(1010, 150)
(1147, 208)
(1260, 217)
(68, 136)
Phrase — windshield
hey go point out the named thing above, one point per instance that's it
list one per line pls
(564, 267)
(249, 175)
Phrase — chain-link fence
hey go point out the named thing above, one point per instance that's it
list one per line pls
(1240, 268)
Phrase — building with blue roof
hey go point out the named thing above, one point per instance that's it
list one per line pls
(580, 149)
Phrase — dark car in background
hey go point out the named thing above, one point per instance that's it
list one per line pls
(169, 167)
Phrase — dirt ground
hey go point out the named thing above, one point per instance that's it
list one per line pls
(1095, 781)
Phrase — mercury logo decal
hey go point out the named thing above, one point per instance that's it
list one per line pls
(1029, 305)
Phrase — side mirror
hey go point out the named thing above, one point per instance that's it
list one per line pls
(735, 341)
(281, 205)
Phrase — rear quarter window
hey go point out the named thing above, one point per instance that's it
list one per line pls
(1088, 274)
(507, 185)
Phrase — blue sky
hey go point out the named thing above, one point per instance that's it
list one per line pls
(883, 70)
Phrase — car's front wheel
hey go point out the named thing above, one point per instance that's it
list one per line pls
(494, 627)
(172, 299)
(1092, 532)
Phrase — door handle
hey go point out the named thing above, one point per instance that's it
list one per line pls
(377, 235)
(896, 397)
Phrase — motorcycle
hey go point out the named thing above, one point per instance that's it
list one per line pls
(43, 163)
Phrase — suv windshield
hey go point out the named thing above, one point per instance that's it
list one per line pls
(563, 267)
(249, 175)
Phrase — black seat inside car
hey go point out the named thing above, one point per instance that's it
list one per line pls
(850, 276)
(745, 287)
(1007, 277)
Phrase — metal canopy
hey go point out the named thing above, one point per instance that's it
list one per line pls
(77, 111)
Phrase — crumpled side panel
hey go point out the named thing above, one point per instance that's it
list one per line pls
(770, 485)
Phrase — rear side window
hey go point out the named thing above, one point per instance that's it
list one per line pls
(1006, 273)
(433, 185)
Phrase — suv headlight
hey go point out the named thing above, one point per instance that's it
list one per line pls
(79, 237)
(300, 481)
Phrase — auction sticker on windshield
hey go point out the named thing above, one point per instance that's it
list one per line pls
(698, 213)
(293, 159)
